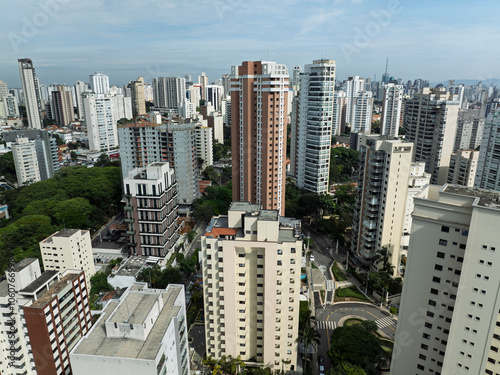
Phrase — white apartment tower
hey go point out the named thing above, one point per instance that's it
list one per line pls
(31, 93)
(251, 285)
(470, 125)
(391, 109)
(68, 249)
(100, 122)
(312, 126)
(431, 124)
(384, 171)
(449, 320)
(99, 83)
(361, 120)
(488, 176)
(25, 161)
(144, 332)
(204, 145)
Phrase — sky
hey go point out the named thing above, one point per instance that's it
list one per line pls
(70, 39)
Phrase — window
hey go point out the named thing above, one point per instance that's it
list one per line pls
(443, 242)
(440, 254)
(280, 251)
(438, 267)
(436, 279)
(420, 367)
(423, 346)
(445, 229)
(434, 291)
(432, 303)
(430, 314)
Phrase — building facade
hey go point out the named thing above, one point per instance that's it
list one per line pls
(259, 116)
(144, 332)
(168, 93)
(251, 285)
(99, 83)
(151, 209)
(62, 102)
(312, 125)
(68, 249)
(381, 192)
(57, 321)
(25, 161)
(138, 96)
(463, 166)
(448, 322)
(487, 176)
(470, 125)
(31, 93)
(431, 124)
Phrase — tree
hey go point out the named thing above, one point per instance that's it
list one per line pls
(306, 319)
(308, 336)
(102, 161)
(346, 368)
(376, 127)
(369, 325)
(220, 151)
(7, 167)
(343, 161)
(353, 344)
(100, 283)
(384, 256)
(74, 155)
(191, 235)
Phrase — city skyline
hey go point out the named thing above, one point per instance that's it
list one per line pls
(69, 40)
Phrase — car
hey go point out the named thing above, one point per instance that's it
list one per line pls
(321, 359)
(321, 370)
(311, 258)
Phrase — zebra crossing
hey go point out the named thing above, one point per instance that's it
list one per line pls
(385, 322)
(326, 324)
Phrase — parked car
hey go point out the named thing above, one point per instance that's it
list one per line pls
(321, 360)
(321, 370)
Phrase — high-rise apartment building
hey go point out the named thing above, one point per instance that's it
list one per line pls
(259, 115)
(391, 109)
(57, 321)
(151, 209)
(213, 95)
(99, 83)
(80, 87)
(4, 90)
(470, 125)
(431, 124)
(9, 107)
(144, 143)
(384, 171)
(353, 87)
(448, 322)
(168, 93)
(339, 111)
(144, 332)
(312, 127)
(31, 93)
(25, 161)
(361, 120)
(138, 96)
(204, 145)
(463, 166)
(488, 176)
(68, 249)
(251, 285)
(62, 103)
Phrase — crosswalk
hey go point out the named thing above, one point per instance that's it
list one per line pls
(385, 322)
(326, 324)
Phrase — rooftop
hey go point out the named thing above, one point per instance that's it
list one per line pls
(97, 343)
(39, 282)
(24, 263)
(135, 309)
(487, 198)
(66, 232)
(54, 290)
(4, 288)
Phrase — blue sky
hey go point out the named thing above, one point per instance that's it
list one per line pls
(69, 39)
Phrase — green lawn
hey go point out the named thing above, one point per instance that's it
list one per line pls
(351, 292)
(352, 322)
(337, 273)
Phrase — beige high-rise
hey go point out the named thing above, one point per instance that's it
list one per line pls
(259, 109)
(63, 106)
(251, 262)
(138, 96)
(431, 123)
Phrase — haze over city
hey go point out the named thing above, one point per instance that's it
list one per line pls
(69, 40)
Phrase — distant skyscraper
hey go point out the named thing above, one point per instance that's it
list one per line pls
(488, 175)
(99, 83)
(214, 95)
(361, 121)
(295, 77)
(138, 100)
(31, 93)
(100, 121)
(62, 103)
(203, 81)
(80, 88)
(384, 170)
(169, 93)
(431, 123)
(470, 125)
(391, 110)
(385, 76)
(259, 101)
(310, 153)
